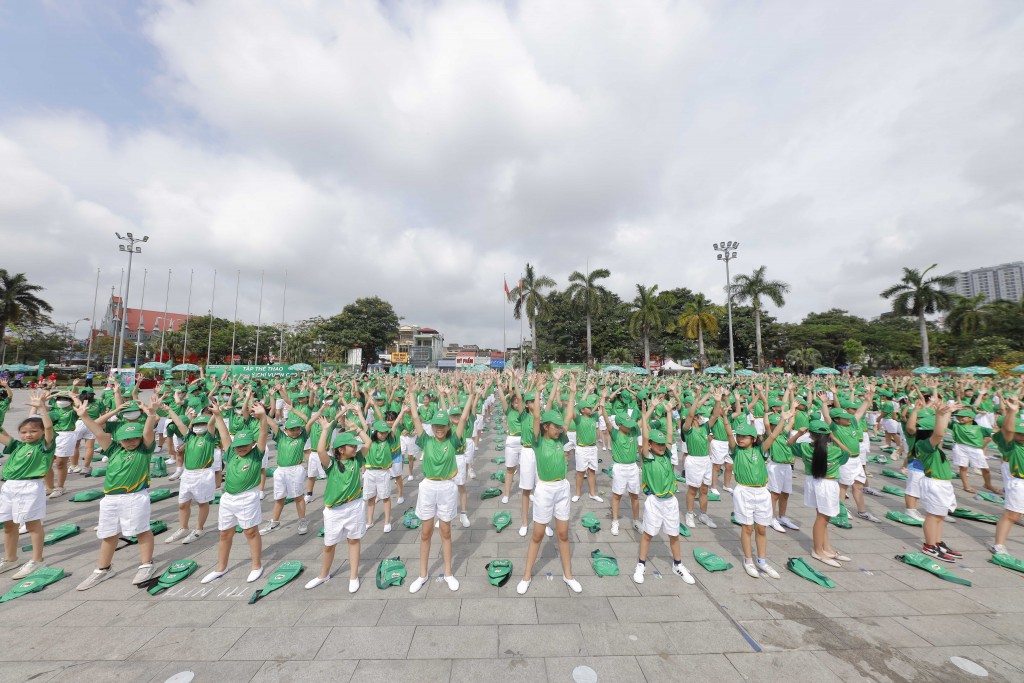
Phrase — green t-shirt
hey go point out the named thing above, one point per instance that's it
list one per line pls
(439, 455)
(238, 424)
(242, 473)
(933, 460)
(846, 436)
(837, 457)
(697, 441)
(513, 421)
(379, 455)
(526, 421)
(28, 460)
(199, 450)
(63, 419)
(586, 429)
(291, 451)
(658, 475)
(780, 451)
(624, 446)
(127, 471)
(969, 434)
(343, 486)
(1012, 452)
(718, 432)
(749, 467)
(551, 463)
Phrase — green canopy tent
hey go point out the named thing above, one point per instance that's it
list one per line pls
(977, 370)
(301, 367)
(824, 371)
(927, 370)
(716, 370)
(185, 367)
(745, 373)
(1019, 368)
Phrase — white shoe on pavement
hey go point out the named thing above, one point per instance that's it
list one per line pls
(615, 527)
(769, 570)
(353, 585)
(707, 521)
(95, 578)
(303, 527)
(213, 576)
(751, 570)
(523, 586)
(313, 583)
(464, 520)
(775, 524)
(453, 583)
(914, 514)
(254, 575)
(523, 530)
(637, 526)
(690, 520)
(177, 536)
(683, 573)
(28, 568)
(788, 523)
(145, 573)
(193, 536)
(270, 526)
(573, 584)
(416, 585)
(638, 573)
(387, 528)
(597, 499)
(575, 499)
(504, 500)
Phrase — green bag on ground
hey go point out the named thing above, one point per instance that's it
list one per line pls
(56, 534)
(713, 496)
(990, 497)
(710, 561)
(390, 572)
(888, 449)
(271, 470)
(684, 531)
(893, 474)
(501, 519)
(799, 566)
(894, 491)
(842, 520)
(903, 518)
(591, 523)
(86, 496)
(281, 577)
(499, 439)
(499, 476)
(97, 472)
(499, 572)
(880, 459)
(176, 573)
(604, 565)
(499, 447)
(158, 466)
(490, 492)
(967, 513)
(680, 479)
(157, 526)
(156, 495)
(608, 471)
(732, 518)
(410, 520)
(34, 582)
(929, 565)
(500, 460)
(1008, 561)
(875, 439)
(216, 499)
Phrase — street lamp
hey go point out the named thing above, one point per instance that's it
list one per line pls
(74, 333)
(132, 250)
(727, 252)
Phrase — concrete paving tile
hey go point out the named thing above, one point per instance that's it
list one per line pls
(705, 637)
(296, 642)
(577, 609)
(935, 662)
(445, 642)
(693, 605)
(389, 671)
(511, 670)
(168, 614)
(349, 642)
(998, 599)
(882, 632)
(603, 639)
(1010, 624)
(342, 613)
(780, 666)
(716, 668)
(792, 634)
(939, 601)
(521, 610)
(951, 629)
(607, 668)
(95, 672)
(37, 612)
(40, 643)
(417, 612)
(544, 640)
(200, 644)
(882, 664)
(37, 672)
(743, 606)
(209, 671)
(291, 672)
(1011, 654)
(283, 613)
(797, 606)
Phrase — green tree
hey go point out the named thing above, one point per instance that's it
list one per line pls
(528, 299)
(699, 316)
(755, 288)
(854, 351)
(648, 316)
(918, 295)
(587, 294)
(1006, 319)
(966, 315)
(369, 323)
(805, 359)
(987, 350)
(19, 301)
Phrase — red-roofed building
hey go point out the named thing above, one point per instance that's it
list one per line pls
(152, 322)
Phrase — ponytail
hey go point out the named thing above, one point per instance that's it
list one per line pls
(819, 461)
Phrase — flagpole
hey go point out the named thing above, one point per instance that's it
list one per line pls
(92, 323)
(234, 326)
(259, 322)
(163, 320)
(284, 302)
(209, 334)
(521, 311)
(120, 305)
(504, 315)
(188, 316)
(142, 316)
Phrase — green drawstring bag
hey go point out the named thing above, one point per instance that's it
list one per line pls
(894, 491)
(990, 497)
(591, 523)
(902, 518)
(281, 577)
(157, 526)
(888, 449)
(97, 472)
(929, 565)
(499, 476)
(875, 439)
(56, 534)
(34, 582)
(684, 531)
(410, 520)
(500, 460)
(799, 566)
(713, 496)
(216, 499)
(176, 573)
(501, 519)
(967, 513)
(86, 496)
(499, 572)
(499, 447)
(608, 471)
(842, 520)
(710, 561)
(680, 479)
(390, 572)
(490, 492)
(499, 439)
(880, 459)
(893, 474)
(1008, 561)
(732, 518)
(156, 495)
(158, 466)
(604, 565)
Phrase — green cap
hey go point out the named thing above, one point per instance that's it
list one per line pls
(129, 406)
(552, 417)
(294, 421)
(346, 439)
(441, 420)
(132, 430)
(529, 396)
(243, 439)
(201, 419)
(746, 430)
(381, 426)
(926, 422)
(965, 412)
(657, 436)
(818, 427)
(839, 414)
(1019, 427)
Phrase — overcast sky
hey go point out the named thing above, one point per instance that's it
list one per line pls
(419, 150)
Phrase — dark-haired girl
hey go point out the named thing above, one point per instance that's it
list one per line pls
(822, 460)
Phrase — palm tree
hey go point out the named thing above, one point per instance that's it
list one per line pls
(586, 294)
(916, 294)
(754, 288)
(700, 316)
(528, 296)
(804, 358)
(966, 315)
(18, 301)
(648, 316)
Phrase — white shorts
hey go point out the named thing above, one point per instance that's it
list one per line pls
(969, 456)
(376, 484)
(478, 424)
(759, 426)
(125, 514)
(527, 469)
(315, 470)
(720, 452)
(697, 471)
(937, 496)
(461, 468)
(780, 477)
(821, 494)
(470, 451)
(22, 501)
(852, 471)
(626, 478)
(289, 482)
(752, 505)
(409, 446)
(661, 514)
(890, 426)
(218, 460)
(1013, 493)
(987, 420)
(438, 498)
(601, 425)
(395, 470)
(83, 432)
(66, 444)
(197, 485)
(161, 425)
(239, 509)
(674, 457)
(913, 485)
(513, 447)
(570, 443)
(551, 498)
(586, 458)
(345, 521)
(177, 443)
(872, 419)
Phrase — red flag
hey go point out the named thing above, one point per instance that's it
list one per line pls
(506, 288)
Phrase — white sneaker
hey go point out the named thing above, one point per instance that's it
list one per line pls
(171, 461)
(75, 470)
(707, 521)
(409, 478)
(775, 524)
(751, 570)
(690, 520)
(176, 476)
(638, 573)
(353, 585)
(615, 527)
(28, 568)
(597, 499)
(57, 492)
(573, 584)
(7, 565)
(145, 573)
(868, 516)
(548, 532)
(23, 529)
(193, 536)
(177, 536)
(271, 526)
(769, 570)
(309, 498)
(523, 530)
(472, 473)
(401, 499)
(575, 499)
(453, 583)
(523, 586)
(914, 514)
(463, 520)
(263, 494)
(996, 550)
(504, 500)
(313, 583)
(213, 576)
(437, 522)
(416, 585)
(303, 527)
(254, 575)
(387, 528)
(637, 526)
(788, 523)
(715, 491)
(683, 573)
(94, 579)
(727, 489)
